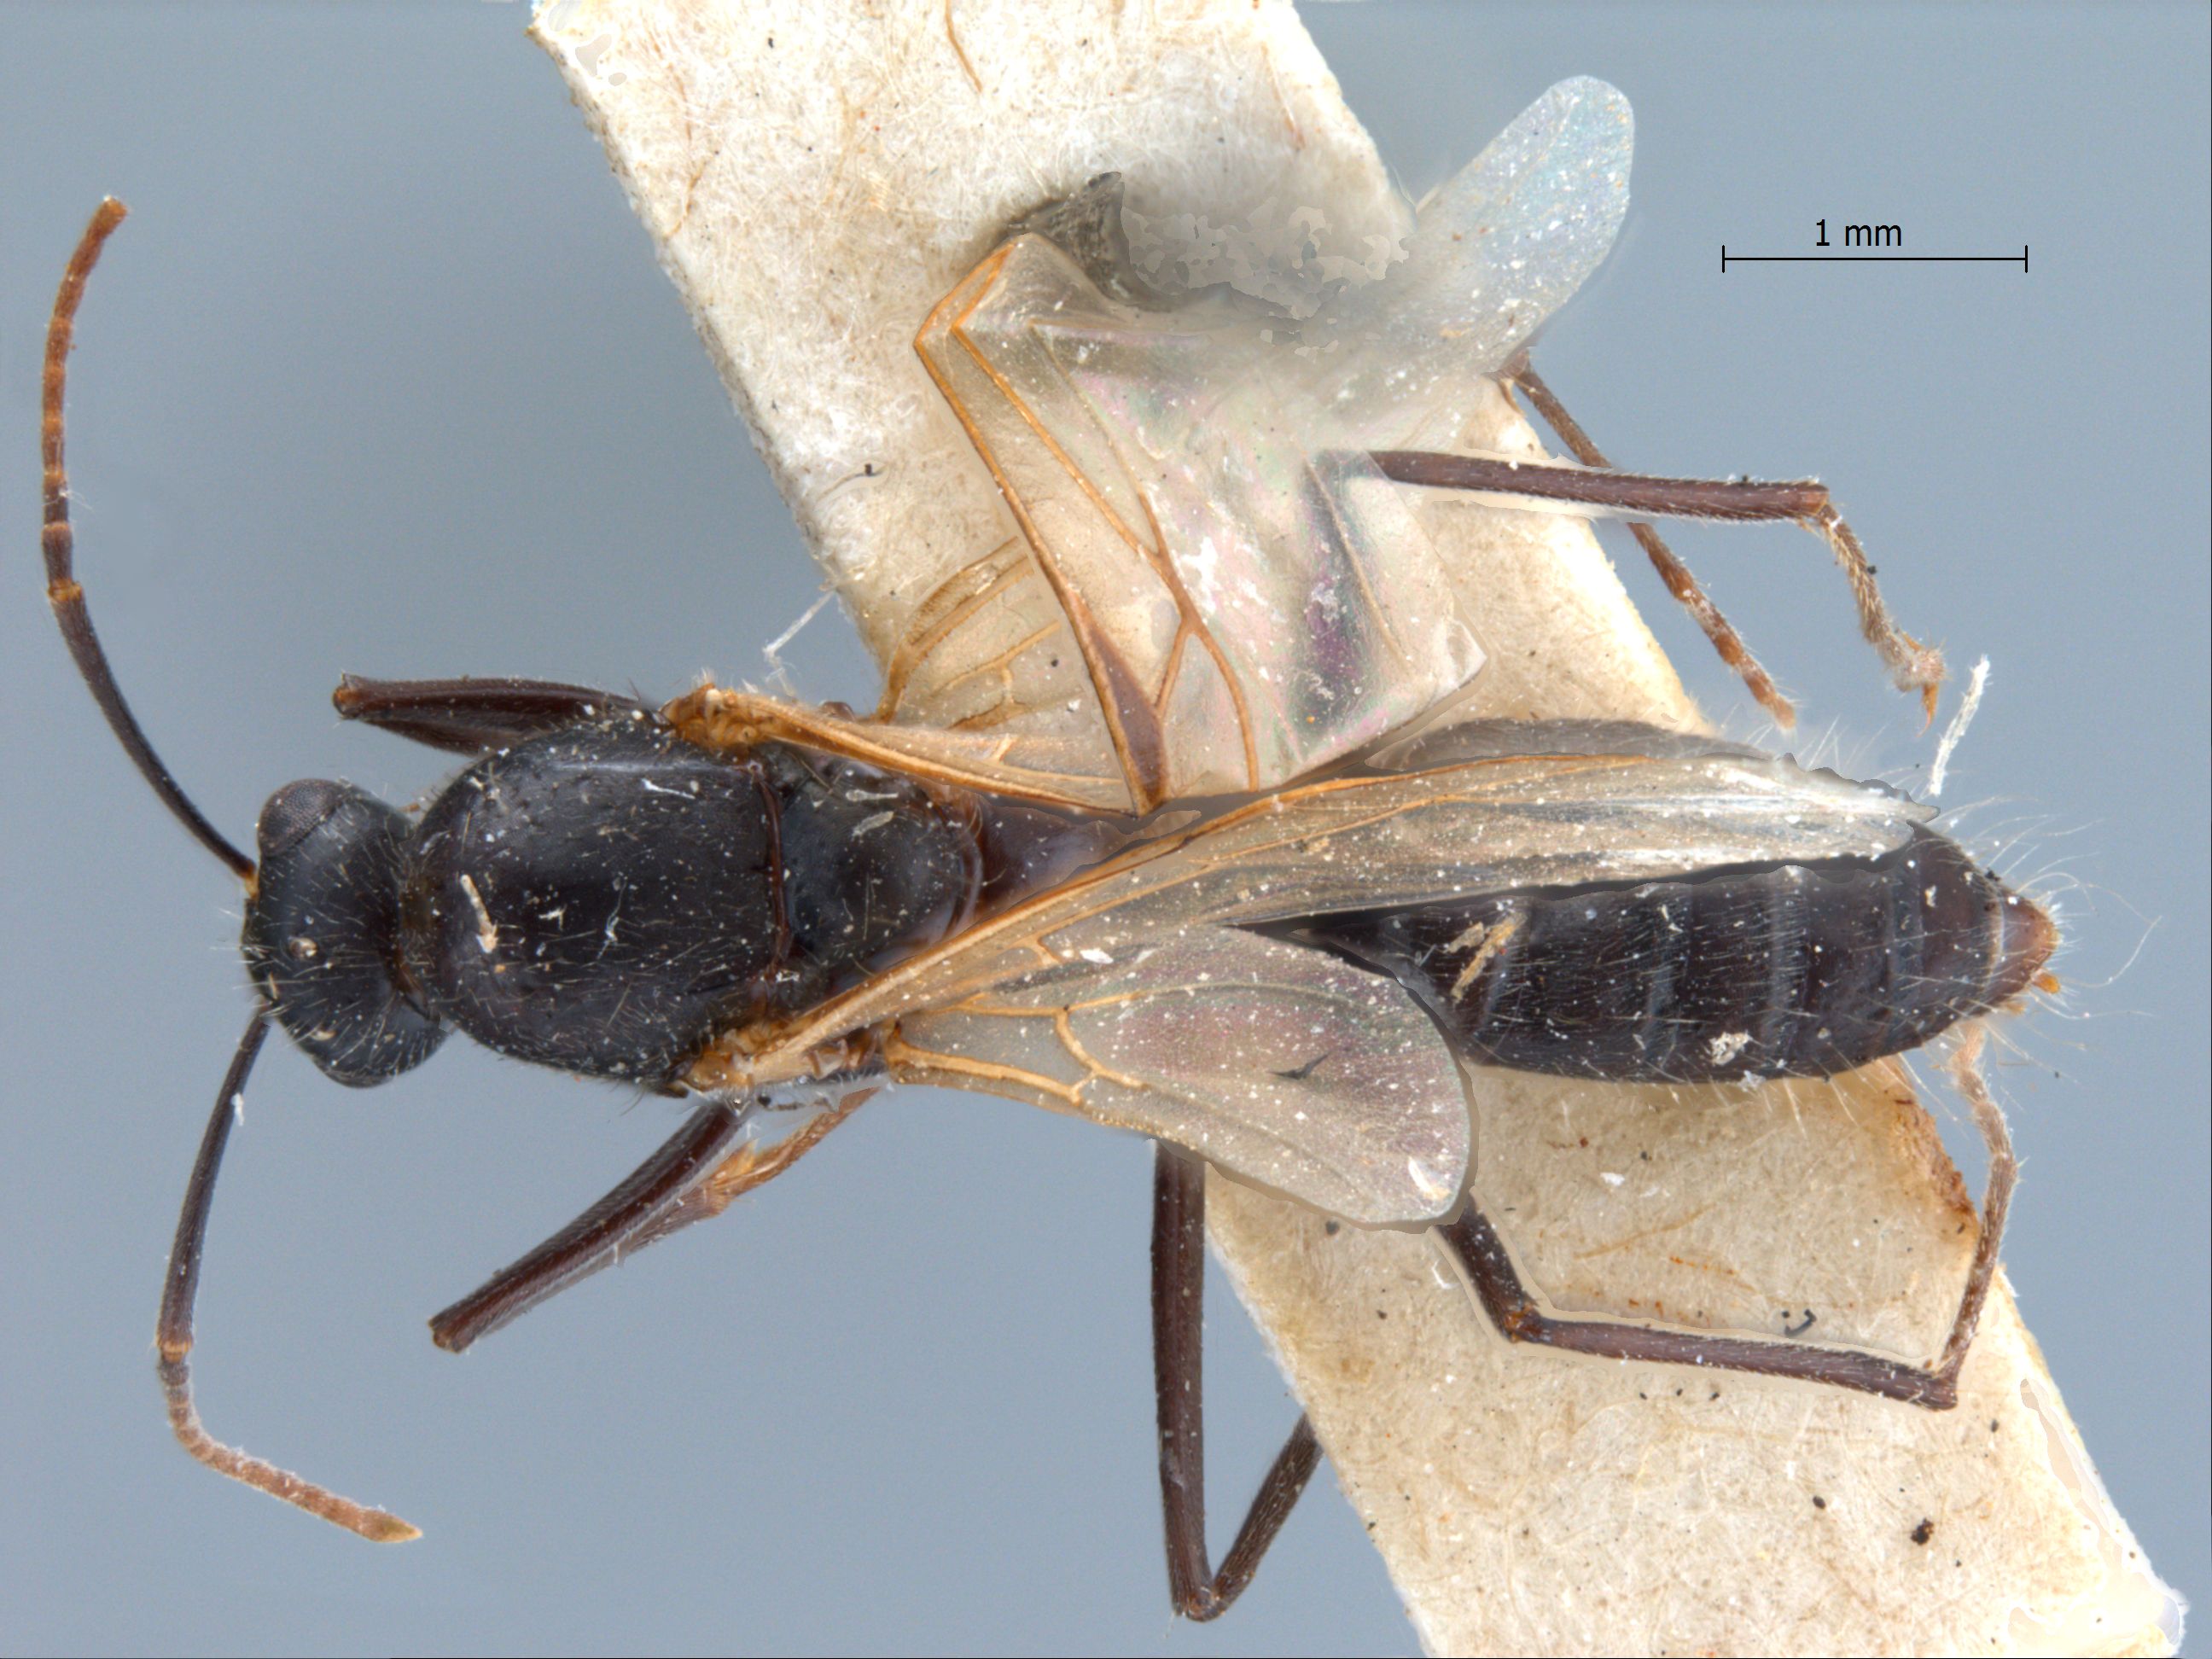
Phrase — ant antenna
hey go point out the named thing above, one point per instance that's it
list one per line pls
(174, 1336)
(59, 542)
(181, 1288)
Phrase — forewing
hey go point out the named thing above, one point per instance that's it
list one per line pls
(1089, 998)
(1250, 599)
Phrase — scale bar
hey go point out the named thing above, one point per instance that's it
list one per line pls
(2019, 258)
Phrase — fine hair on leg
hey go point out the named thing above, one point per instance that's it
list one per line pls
(173, 1334)
(1913, 667)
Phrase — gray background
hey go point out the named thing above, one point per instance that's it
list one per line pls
(381, 377)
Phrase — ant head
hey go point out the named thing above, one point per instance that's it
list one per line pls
(322, 932)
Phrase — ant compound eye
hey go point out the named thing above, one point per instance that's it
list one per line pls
(321, 937)
(295, 811)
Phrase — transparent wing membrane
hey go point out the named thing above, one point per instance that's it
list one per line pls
(1283, 1065)
(1250, 597)
(1497, 250)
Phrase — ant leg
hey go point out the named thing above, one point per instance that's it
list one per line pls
(1497, 1285)
(173, 1334)
(746, 1168)
(1178, 1292)
(694, 1176)
(473, 716)
(1671, 571)
(1912, 666)
(1997, 1199)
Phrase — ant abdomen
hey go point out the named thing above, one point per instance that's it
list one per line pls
(1780, 970)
